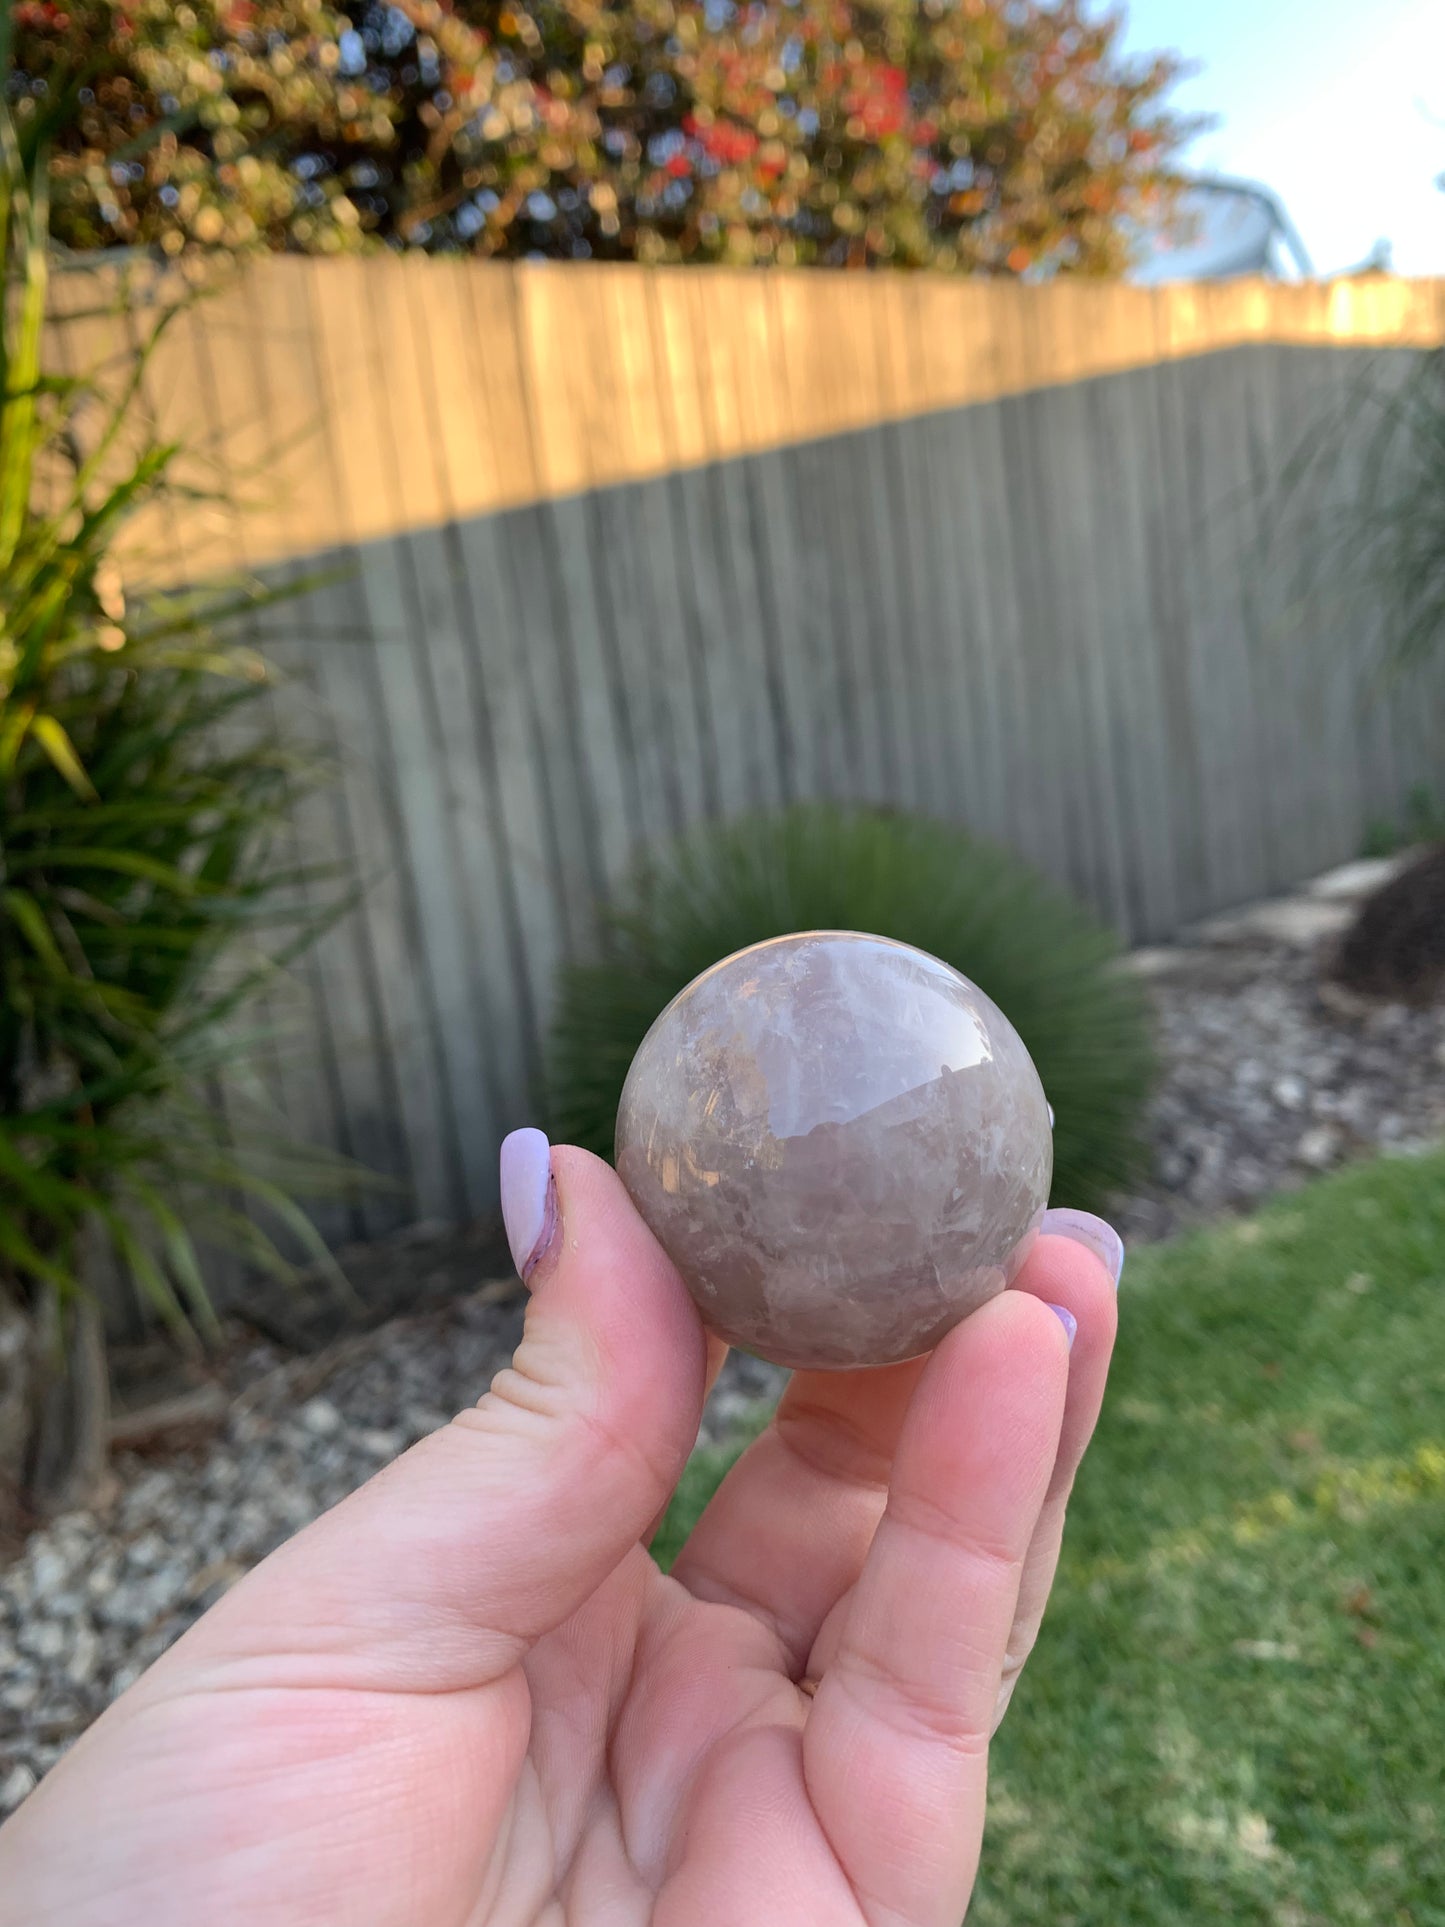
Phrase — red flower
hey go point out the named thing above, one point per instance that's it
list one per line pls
(723, 141)
(879, 98)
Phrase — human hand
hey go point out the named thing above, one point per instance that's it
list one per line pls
(466, 1697)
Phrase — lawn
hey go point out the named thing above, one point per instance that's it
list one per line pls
(1237, 1713)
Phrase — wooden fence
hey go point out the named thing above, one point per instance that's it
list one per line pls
(619, 550)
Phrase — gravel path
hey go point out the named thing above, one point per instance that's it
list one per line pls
(98, 1595)
(1267, 1081)
(1271, 1077)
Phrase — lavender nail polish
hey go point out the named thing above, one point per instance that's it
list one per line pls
(529, 1197)
(1067, 1319)
(1091, 1232)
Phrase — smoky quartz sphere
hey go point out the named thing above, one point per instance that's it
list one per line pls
(842, 1145)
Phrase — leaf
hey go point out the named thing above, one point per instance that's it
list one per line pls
(123, 862)
(276, 1200)
(30, 1178)
(151, 1282)
(99, 523)
(30, 920)
(176, 123)
(29, 199)
(13, 728)
(23, 1255)
(181, 1255)
(61, 751)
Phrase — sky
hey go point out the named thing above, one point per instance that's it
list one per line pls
(1336, 105)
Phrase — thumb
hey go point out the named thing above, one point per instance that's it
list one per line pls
(443, 1569)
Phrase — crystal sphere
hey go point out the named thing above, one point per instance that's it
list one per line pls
(841, 1143)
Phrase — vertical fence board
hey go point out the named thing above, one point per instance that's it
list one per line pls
(327, 622)
(302, 1057)
(1085, 744)
(714, 626)
(507, 705)
(383, 729)
(1058, 460)
(889, 654)
(1190, 684)
(902, 384)
(968, 694)
(643, 431)
(462, 653)
(1233, 767)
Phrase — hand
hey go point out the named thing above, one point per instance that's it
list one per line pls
(466, 1697)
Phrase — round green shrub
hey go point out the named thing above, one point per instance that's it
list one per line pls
(1046, 961)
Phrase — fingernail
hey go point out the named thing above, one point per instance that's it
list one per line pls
(1091, 1232)
(529, 1198)
(1068, 1321)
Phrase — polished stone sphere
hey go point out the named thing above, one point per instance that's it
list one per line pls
(842, 1145)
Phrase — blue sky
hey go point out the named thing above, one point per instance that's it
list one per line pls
(1338, 105)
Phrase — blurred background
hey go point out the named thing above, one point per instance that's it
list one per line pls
(503, 505)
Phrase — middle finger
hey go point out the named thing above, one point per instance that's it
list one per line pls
(789, 1527)
(787, 1532)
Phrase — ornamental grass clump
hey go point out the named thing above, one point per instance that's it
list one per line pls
(1045, 960)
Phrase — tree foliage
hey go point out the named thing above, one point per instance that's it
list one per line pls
(995, 136)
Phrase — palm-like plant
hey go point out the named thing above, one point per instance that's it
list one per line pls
(143, 894)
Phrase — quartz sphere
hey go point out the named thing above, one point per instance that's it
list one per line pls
(841, 1143)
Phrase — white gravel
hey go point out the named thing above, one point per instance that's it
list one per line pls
(1266, 1082)
(98, 1595)
(1271, 1075)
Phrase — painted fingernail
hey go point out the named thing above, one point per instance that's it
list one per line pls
(529, 1198)
(1091, 1232)
(1068, 1321)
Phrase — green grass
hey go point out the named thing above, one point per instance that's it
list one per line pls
(1237, 1713)
(1422, 821)
(702, 1477)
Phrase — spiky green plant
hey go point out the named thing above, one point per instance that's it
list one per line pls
(1041, 957)
(144, 897)
(1398, 512)
(1381, 457)
(1369, 474)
